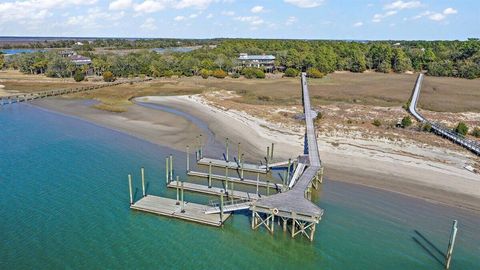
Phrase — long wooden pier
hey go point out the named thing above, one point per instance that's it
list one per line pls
(11, 99)
(290, 204)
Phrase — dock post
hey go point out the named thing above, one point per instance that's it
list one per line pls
(293, 224)
(267, 158)
(130, 188)
(182, 208)
(188, 159)
(210, 174)
(258, 179)
(226, 179)
(321, 175)
(284, 224)
(271, 153)
(312, 232)
(200, 147)
(268, 188)
(226, 149)
(451, 243)
(178, 190)
(239, 156)
(166, 170)
(221, 207)
(142, 170)
(241, 168)
(231, 189)
(253, 218)
(171, 167)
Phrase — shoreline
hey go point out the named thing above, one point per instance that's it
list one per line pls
(384, 178)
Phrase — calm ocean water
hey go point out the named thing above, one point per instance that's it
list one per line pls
(64, 204)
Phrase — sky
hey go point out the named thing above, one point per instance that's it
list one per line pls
(283, 19)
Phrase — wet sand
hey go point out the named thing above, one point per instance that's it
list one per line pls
(436, 175)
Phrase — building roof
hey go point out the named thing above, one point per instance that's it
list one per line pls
(79, 59)
(244, 56)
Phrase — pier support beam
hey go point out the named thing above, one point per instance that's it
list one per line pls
(226, 149)
(210, 174)
(171, 168)
(166, 170)
(188, 159)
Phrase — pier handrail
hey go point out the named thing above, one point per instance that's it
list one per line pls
(437, 128)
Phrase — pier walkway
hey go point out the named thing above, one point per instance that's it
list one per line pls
(293, 206)
(437, 128)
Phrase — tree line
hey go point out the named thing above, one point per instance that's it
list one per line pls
(436, 58)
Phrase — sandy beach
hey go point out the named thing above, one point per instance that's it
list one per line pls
(427, 172)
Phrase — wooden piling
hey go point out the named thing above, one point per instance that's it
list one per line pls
(271, 153)
(183, 202)
(142, 170)
(268, 188)
(188, 159)
(178, 190)
(221, 206)
(239, 155)
(171, 168)
(258, 180)
(241, 168)
(226, 149)
(166, 170)
(200, 147)
(268, 156)
(210, 174)
(130, 188)
(451, 243)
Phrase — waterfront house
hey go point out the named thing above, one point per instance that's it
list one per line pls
(259, 61)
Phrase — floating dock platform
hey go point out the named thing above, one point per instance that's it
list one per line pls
(192, 187)
(169, 208)
(231, 165)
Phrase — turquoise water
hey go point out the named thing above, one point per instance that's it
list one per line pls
(18, 51)
(64, 204)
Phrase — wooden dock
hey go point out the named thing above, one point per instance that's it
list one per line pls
(231, 165)
(169, 208)
(192, 187)
(237, 180)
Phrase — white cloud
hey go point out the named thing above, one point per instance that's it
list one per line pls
(304, 3)
(193, 16)
(209, 16)
(252, 20)
(379, 17)
(149, 24)
(257, 9)
(228, 13)
(436, 16)
(357, 24)
(200, 4)
(150, 6)
(291, 20)
(449, 11)
(120, 5)
(179, 18)
(398, 5)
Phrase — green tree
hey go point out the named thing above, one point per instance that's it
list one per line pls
(400, 61)
(357, 62)
(314, 73)
(291, 72)
(79, 76)
(108, 76)
(2, 60)
(205, 73)
(461, 128)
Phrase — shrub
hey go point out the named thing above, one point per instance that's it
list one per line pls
(79, 76)
(168, 73)
(406, 121)
(108, 76)
(205, 73)
(314, 73)
(259, 74)
(220, 74)
(376, 123)
(476, 132)
(462, 128)
(427, 127)
(264, 98)
(291, 72)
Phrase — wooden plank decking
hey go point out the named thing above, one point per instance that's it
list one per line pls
(231, 165)
(237, 180)
(214, 190)
(168, 207)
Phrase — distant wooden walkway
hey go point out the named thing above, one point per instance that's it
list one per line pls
(11, 99)
(231, 165)
(237, 180)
